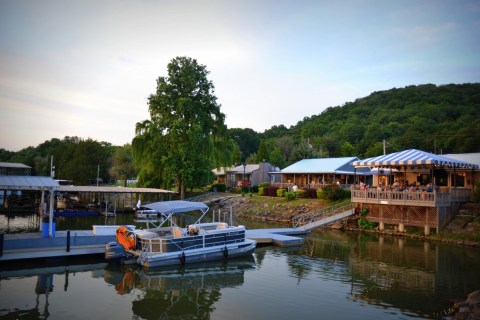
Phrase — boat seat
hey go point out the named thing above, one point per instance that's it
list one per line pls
(145, 234)
(177, 232)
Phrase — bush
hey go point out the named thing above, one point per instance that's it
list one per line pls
(311, 193)
(332, 192)
(263, 185)
(364, 223)
(476, 193)
(261, 192)
(218, 187)
(280, 192)
(289, 195)
(301, 193)
(270, 191)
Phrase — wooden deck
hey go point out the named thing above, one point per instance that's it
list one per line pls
(419, 199)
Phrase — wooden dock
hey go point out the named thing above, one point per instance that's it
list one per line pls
(22, 246)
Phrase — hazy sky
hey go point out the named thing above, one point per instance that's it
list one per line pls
(86, 68)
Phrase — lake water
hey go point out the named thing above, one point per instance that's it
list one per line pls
(334, 274)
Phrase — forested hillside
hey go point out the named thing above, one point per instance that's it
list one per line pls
(437, 119)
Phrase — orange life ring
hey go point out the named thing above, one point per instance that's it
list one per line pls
(126, 237)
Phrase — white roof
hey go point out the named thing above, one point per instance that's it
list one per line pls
(110, 189)
(13, 165)
(322, 165)
(177, 206)
(465, 157)
(249, 168)
(27, 183)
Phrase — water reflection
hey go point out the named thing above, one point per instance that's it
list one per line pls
(184, 292)
(26, 289)
(420, 278)
(334, 274)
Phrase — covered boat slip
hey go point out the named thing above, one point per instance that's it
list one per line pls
(421, 189)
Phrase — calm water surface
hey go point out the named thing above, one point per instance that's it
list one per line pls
(333, 275)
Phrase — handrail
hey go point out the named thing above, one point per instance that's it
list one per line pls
(417, 198)
(310, 217)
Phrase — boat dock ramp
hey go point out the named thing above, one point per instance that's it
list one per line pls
(22, 246)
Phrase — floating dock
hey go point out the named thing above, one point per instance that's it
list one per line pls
(22, 246)
(278, 236)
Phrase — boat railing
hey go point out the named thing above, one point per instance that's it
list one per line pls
(160, 245)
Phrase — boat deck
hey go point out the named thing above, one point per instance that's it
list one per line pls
(85, 242)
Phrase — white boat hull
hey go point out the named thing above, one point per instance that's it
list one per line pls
(234, 250)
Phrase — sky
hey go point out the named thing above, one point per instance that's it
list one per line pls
(86, 68)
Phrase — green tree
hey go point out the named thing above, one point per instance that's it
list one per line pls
(247, 140)
(277, 159)
(89, 158)
(262, 153)
(303, 151)
(122, 164)
(286, 146)
(347, 149)
(185, 125)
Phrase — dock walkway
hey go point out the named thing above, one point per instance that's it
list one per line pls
(21, 246)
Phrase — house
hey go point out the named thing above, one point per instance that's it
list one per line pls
(221, 175)
(427, 189)
(320, 171)
(247, 174)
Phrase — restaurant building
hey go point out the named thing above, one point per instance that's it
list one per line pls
(421, 189)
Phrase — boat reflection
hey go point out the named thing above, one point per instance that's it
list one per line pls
(23, 303)
(187, 292)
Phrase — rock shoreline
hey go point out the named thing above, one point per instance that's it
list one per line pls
(468, 309)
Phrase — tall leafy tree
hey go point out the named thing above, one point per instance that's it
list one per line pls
(247, 140)
(122, 165)
(186, 128)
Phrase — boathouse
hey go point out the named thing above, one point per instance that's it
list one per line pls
(421, 190)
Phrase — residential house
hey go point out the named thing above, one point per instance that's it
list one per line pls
(248, 174)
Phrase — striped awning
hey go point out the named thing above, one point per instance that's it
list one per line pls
(412, 157)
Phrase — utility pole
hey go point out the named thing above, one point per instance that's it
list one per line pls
(385, 145)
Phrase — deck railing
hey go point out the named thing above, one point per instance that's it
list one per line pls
(411, 198)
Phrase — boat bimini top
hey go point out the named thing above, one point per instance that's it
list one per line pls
(169, 208)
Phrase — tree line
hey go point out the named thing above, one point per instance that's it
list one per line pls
(186, 137)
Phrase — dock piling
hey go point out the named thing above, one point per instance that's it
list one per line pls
(68, 240)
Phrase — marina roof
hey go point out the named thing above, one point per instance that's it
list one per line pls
(27, 183)
(110, 189)
(13, 165)
(412, 157)
(322, 165)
